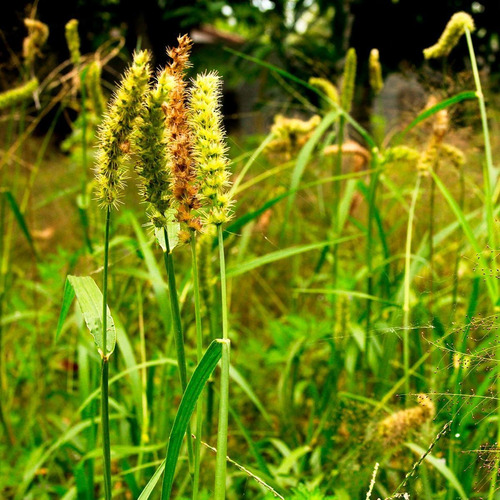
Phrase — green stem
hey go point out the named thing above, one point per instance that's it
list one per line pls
(221, 464)
(106, 445)
(369, 249)
(336, 201)
(178, 333)
(199, 355)
(407, 282)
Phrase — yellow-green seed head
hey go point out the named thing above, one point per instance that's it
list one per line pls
(115, 130)
(38, 33)
(18, 94)
(209, 147)
(94, 89)
(454, 30)
(396, 427)
(453, 155)
(375, 69)
(73, 41)
(348, 80)
(150, 145)
(327, 87)
(290, 134)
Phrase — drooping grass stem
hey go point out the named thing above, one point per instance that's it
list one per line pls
(199, 355)
(407, 284)
(178, 332)
(221, 464)
(106, 444)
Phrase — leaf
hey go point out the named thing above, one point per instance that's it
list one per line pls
(282, 254)
(193, 390)
(189, 399)
(442, 468)
(173, 229)
(20, 220)
(90, 300)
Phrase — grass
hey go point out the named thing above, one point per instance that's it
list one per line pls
(346, 295)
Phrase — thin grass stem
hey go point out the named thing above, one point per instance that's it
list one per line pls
(221, 464)
(199, 355)
(407, 283)
(106, 444)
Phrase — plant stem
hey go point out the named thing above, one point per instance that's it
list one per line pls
(199, 355)
(221, 464)
(106, 445)
(369, 249)
(178, 333)
(407, 282)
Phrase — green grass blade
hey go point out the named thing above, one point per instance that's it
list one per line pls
(491, 282)
(282, 254)
(20, 220)
(193, 390)
(469, 94)
(90, 300)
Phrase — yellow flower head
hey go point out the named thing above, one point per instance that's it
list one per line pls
(348, 80)
(38, 33)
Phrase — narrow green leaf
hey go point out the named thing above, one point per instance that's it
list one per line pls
(90, 300)
(442, 468)
(491, 282)
(469, 94)
(193, 390)
(20, 220)
(282, 254)
(68, 296)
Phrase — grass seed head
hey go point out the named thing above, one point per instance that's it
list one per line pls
(151, 148)
(209, 147)
(451, 35)
(184, 179)
(327, 87)
(394, 428)
(18, 94)
(116, 128)
(38, 33)
(375, 70)
(73, 41)
(348, 80)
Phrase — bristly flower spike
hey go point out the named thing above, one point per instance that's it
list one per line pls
(73, 41)
(183, 172)
(209, 147)
(150, 145)
(348, 80)
(454, 30)
(38, 33)
(116, 128)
